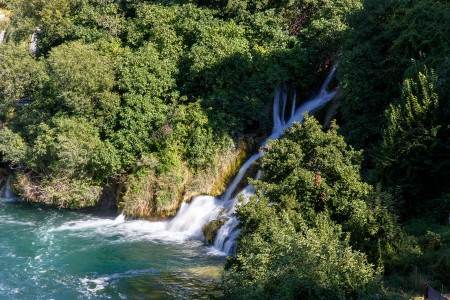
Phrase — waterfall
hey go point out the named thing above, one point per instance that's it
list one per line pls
(204, 209)
(192, 216)
(120, 218)
(2, 36)
(34, 40)
(5, 192)
(238, 178)
(33, 43)
(2, 32)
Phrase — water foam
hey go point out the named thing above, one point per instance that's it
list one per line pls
(123, 231)
(9, 220)
(93, 285)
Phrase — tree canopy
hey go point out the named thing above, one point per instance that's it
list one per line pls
(171, 80)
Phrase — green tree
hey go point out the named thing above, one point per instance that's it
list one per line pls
(142, 123)
(12, 146)
(63, 20)
(384, 37)
(52, 17)
(147, 82)
(22, 76)
(65, 146)
(318, 169)
(146, 72)
(4, 3)
(82, 80)
(413, 154)
(288, 263)
(97, 19)
(65, 165)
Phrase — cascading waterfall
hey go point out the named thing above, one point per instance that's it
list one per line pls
(192, 216)
(2, 32)
(6, 194)
(2, 36)
(204, 209)
(34, 40)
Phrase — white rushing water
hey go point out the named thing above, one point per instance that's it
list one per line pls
(204, 209)
(2, 36)
(2, 32)
(6, 195)
(34, 40)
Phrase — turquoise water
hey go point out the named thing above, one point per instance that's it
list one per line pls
(55, 254)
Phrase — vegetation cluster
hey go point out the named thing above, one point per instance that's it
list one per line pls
(157, 96)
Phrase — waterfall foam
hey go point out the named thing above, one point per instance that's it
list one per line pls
(192, 216)
(120, 218)
(2, 32)
(204, 209)
(34, 40)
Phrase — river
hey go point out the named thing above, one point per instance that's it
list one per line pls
(57, 254)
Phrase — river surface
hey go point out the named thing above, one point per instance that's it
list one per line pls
(57, 254)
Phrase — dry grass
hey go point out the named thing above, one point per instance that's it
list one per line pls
(214, 181)
(59, 191)
(4, 22)
(26, 188)
(148, 196)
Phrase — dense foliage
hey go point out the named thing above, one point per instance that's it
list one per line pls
(414, 150)
(158, 89)
(322, 225)
(385, 43)
(394, 71)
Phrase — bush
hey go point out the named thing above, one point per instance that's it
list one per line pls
(315, 263)
(12, 146)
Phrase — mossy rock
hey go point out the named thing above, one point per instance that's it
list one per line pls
(210, 230)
